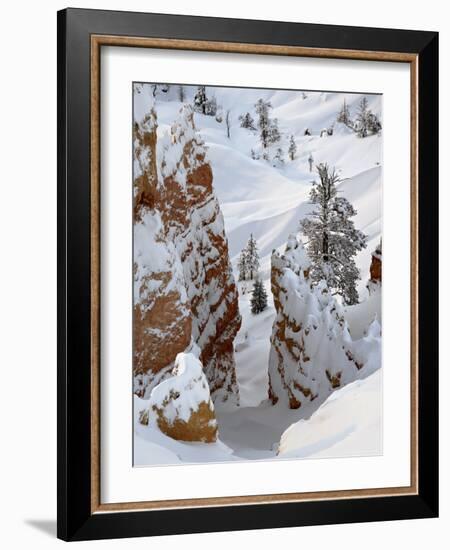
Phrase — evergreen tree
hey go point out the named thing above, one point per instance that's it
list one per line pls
(252, 257)
(181, 93)
(333, 240)
(262, 110)
(362, 116)
(200, 100)
(274, 135)
(247, 121)
(366, 121)
(248, 263)
(279, 157)
(211, 107)
(344, 115)
(242, 265)
(373, 123)
(292, 151)
(259, 297)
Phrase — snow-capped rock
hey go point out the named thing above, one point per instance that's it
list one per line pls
(375, 269)
(312, 352)
(184, 285)
(181, 405)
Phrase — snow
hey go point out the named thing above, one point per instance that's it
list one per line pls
(347, 424)
(151, 446)
(257, 198)
(188, 382)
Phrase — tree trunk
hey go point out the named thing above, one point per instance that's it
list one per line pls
(325, 247)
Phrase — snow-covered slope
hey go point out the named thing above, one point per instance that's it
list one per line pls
(347, 424)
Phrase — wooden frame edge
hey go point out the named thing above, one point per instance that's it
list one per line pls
(261, 49)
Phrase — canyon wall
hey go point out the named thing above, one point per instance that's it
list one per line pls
(184, 288)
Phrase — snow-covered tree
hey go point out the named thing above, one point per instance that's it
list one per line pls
(252, 257)
(211, 106)
(373, 123)
(292, 151)
(269, 132)
(248, 263)
(344, 115)
(247, 121)
(367, 122)
(274, 132)
(242, 264)
(278, 159)
(181, 93)
(333, 240)
(259, 297)
(200, 100)
(228, 123)
(361, 118)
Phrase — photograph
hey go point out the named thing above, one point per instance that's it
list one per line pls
(256, 274)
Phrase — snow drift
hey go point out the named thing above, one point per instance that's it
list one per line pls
(348, 423)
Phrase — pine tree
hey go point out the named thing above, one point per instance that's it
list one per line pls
(362, 128)
(366, 121)
(247, 121)
(254, 155)
(274, 135)
(373, 123)
(211, 107)
(292, 151)
(181, 93)
(344, 115)
(248, 263)
(333, 240)
(262, 110)
(252, 257)
(279, 157)
(242, 265)
(259, 297)
(200, 100)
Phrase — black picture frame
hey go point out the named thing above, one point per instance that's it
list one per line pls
(75, 518)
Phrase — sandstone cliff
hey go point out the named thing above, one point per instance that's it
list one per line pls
(184, 289)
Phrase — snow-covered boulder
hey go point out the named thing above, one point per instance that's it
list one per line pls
(184, 287)
(312, 352)
(181, 405)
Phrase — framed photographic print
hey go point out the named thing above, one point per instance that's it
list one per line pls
(247, 257)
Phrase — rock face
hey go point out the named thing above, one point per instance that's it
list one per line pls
(375, 269)
(184, 289)
(311, 348)
(181, 404)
